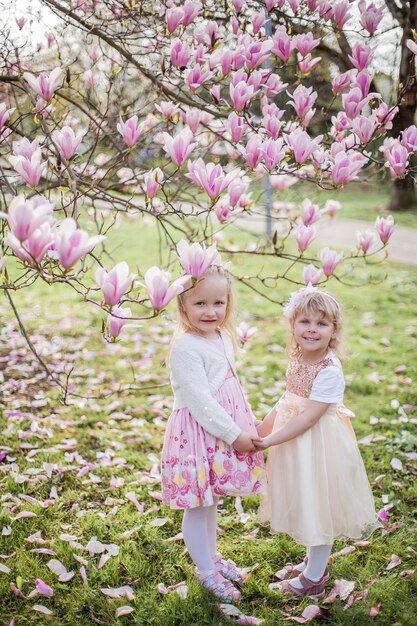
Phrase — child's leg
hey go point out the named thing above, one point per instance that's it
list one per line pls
(211, 521)
(194, 530)
(318, 557)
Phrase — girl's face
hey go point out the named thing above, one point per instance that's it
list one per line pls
(205, 305)
(313, 332)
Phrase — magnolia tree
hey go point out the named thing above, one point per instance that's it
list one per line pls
(170, 111)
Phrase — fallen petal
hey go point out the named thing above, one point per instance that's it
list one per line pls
(124, 610)
(395, 560)
(42, 609)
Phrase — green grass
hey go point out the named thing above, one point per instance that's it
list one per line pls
(50, 442)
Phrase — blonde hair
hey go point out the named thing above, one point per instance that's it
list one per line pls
(328, 306)
(227, 325)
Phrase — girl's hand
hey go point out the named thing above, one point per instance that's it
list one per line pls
(245, 443)
(262, 444)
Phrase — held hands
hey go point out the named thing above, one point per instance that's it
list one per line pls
(245, 442)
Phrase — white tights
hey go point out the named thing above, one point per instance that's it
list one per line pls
(199, 529)
(318, 557)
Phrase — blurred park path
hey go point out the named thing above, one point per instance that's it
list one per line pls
(342, 233)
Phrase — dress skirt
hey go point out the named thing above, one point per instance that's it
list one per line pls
(196, 467)
(317, 487)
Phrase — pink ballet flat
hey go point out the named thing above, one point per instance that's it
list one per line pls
(229, 569)
(219, 586)
(311, 588)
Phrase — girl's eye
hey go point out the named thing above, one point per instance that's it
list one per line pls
(219, 302)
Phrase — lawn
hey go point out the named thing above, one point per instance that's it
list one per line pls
(80, 482)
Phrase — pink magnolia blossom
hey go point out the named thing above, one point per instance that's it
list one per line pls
(4, 134)
(342, 82)
(245, 332)
(301, 144)
(30, 169)
(397, 159)
(329, 260)
(341, 13)
(304, 236)
(409, 138)
(168, 109)
(307, 63)
(361, 56)
(258, 21)
(26, 148)
(72, 243)
(34, 248)
(283, 45)
(305, 43)
(5, 113)
(236, 189)
(192, 119)
(195, 258)
(253, 152)
(312, 275)
(180, 54)
(353, 102)
(273, 152)
(412, 46)
(238, 5)
(180, 146)
(345, 167)
(195, 77)
(227, 61)
(45, 86)
(236, 126)
(191, 9)
(256, 53)
(274, 85)
(282, 181)
(89, 78)
(20, 21)
(371, 17)
(160, 291)
(210, 177)
(271, 4)
(364, 128)
(67, 141)
(303, 100)
(25, 216)
(365, 240)
(222, 210)
(130, 130)
(117, 319)
(384, 227)
(174, 18)
(272, 125)
(153, 180)
(241, 94)
(385, 115)
(310, 212)
(332, 207)
(115, 283)
(363, 81)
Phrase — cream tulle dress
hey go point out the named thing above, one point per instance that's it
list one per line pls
(317, 487)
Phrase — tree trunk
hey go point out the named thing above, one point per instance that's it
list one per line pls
(403, 195)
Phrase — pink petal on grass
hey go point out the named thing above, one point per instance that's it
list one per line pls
(395, 560)
(42, 609)
(309, 613)
(159, 521)
(374, 611)
(43, 551)
(43, 588)
(119, 592)
(124, 610)
(177, 537)
(4, 568)
(362, 544)
(103, 559)
(249, 619)
(56, 567)
(24, 515)
(342, 588)
(344, 551)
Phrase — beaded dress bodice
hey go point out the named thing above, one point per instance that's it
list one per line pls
(300, 376)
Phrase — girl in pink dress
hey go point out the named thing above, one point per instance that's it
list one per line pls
(208, 448)
(318, 490)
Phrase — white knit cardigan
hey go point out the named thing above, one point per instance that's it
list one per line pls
(198, 369)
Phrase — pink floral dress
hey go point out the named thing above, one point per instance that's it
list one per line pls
(197, 467)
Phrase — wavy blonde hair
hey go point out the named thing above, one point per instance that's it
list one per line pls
(328, 306)
(227, 325)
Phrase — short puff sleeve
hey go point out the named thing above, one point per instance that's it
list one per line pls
(328, 386)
